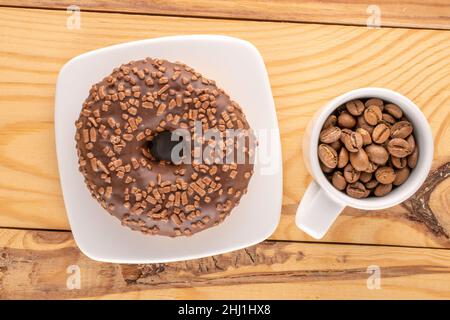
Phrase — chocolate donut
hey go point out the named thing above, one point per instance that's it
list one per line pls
(125, 151)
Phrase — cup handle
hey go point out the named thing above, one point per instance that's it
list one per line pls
(317, 211)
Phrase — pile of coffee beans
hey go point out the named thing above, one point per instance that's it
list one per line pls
(367, 147)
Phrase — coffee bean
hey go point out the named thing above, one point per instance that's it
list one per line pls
(381, 133)
(401, 129)
(356, 190)
(393, 110)
(345, 132)
(365, 135)
(343, 158)
(399, 148)
(330, 121)
(338, 180)
(375, 102)
(361, 123)
(389, 125)
(353, 141)
(372, 167)
(355, 107)
(377, 154)
(351, 174)
(399, 162)
(372, 184)
(330, 135)
(365, 177)
(401, 176)
(385, 175)
(325, 168)
(359, 160)
(328, 155)
(388, 118)
(346, 120)
(411, 141)
(336, 145)
(372, 115)
(412, 159)
(382, 189)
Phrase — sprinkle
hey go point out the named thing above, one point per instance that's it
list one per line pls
(175, 219)
(161, 109)
(93, 134)
(147, 105)
(140, 136)
(85, 135)
(163, 89)
(132, 111)
(127, 137)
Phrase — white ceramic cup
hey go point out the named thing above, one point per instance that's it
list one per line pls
(322, 202)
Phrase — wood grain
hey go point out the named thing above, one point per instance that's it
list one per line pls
(35, 265)
(308, 65)
(401, 13)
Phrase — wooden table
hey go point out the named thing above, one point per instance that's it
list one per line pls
(313, 53)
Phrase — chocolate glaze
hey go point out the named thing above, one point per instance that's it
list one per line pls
(107, 135)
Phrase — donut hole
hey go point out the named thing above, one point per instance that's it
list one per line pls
(161, 147)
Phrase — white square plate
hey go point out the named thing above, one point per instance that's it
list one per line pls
(239, 69)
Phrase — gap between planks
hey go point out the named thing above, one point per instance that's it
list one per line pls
(269, 240)
(219, 17)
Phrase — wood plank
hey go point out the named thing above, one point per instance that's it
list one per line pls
(308, 65)
(403, 13)
(38, 265)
